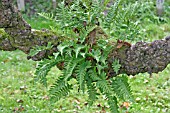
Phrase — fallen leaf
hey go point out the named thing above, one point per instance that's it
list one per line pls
(126, 105)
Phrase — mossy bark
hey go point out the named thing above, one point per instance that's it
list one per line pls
(138, 58)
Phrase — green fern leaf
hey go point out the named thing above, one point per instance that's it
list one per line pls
(96, 54)
(78, 48)
(59, 89)
(122, 88)
(70, 66)
(104, 87)
(116, 66)
(100, 68)
(112, 101)
(43, 69)
(81, 72)
(92, 92)
(48, 16)
(61, 47)
(113, 13)
(35, 50)
(93, 75)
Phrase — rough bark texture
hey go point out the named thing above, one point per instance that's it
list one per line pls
(143, 57)
(21, 36)
(138, 58)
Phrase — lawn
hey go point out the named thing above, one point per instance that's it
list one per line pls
(20, 93)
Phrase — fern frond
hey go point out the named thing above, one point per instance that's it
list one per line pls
(63, 46)
(96, 54)
(81, 72)
(112, 13)
(70, 66)
(112, 101)
(122, 88)
(35, 50)
(116, 66)
(59, 89)
(93, 75)
(85, 32)
(92, 92)
(43, 69)
(104, 87)
(78, 48)
(48, 16)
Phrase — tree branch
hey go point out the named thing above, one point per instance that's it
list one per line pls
(138, 58)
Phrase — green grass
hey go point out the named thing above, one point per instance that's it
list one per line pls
(16, 75)
(19, 92)
(39, 22)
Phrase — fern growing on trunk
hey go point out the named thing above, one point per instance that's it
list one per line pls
(84, 55)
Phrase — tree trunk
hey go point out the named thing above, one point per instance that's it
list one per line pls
(21, 5)
(138, 58)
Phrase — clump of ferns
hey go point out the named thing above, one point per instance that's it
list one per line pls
(83, 58)
(87, 64)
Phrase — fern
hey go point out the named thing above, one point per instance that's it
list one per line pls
(92, 92)
(112, 13)
(48, 16)
(88, 62)
(112, 101)
(94, 75)
(116, 66)
(43, 69)
(96, 54)
(62, 46)
(70, 66)
(59, 89)
(81, 72)
(104, 87)
(85, 32)
(37, 49)
(122, 88)
(78, 48)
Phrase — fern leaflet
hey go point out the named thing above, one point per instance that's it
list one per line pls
(104, 87)
(92, 92)
(81, 72)
(59, 89)
(71, 64)
(122, 88)
(43, 69)
(112, 101)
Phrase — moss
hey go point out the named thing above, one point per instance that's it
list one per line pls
(47, 36)
(3, 35)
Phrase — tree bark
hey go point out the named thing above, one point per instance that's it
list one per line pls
(138, 58)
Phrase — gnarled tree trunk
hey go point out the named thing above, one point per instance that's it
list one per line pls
(138, 58)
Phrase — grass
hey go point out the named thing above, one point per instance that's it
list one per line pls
(19, 92)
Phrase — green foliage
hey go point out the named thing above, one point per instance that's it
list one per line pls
(37, 49)
(121, 87)
(112, 101)
(116, 66)
(81, 73)
(92, 92)
(150, 94)
(43, 68)
(87, 62)
(147, 99)
(59, 89)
